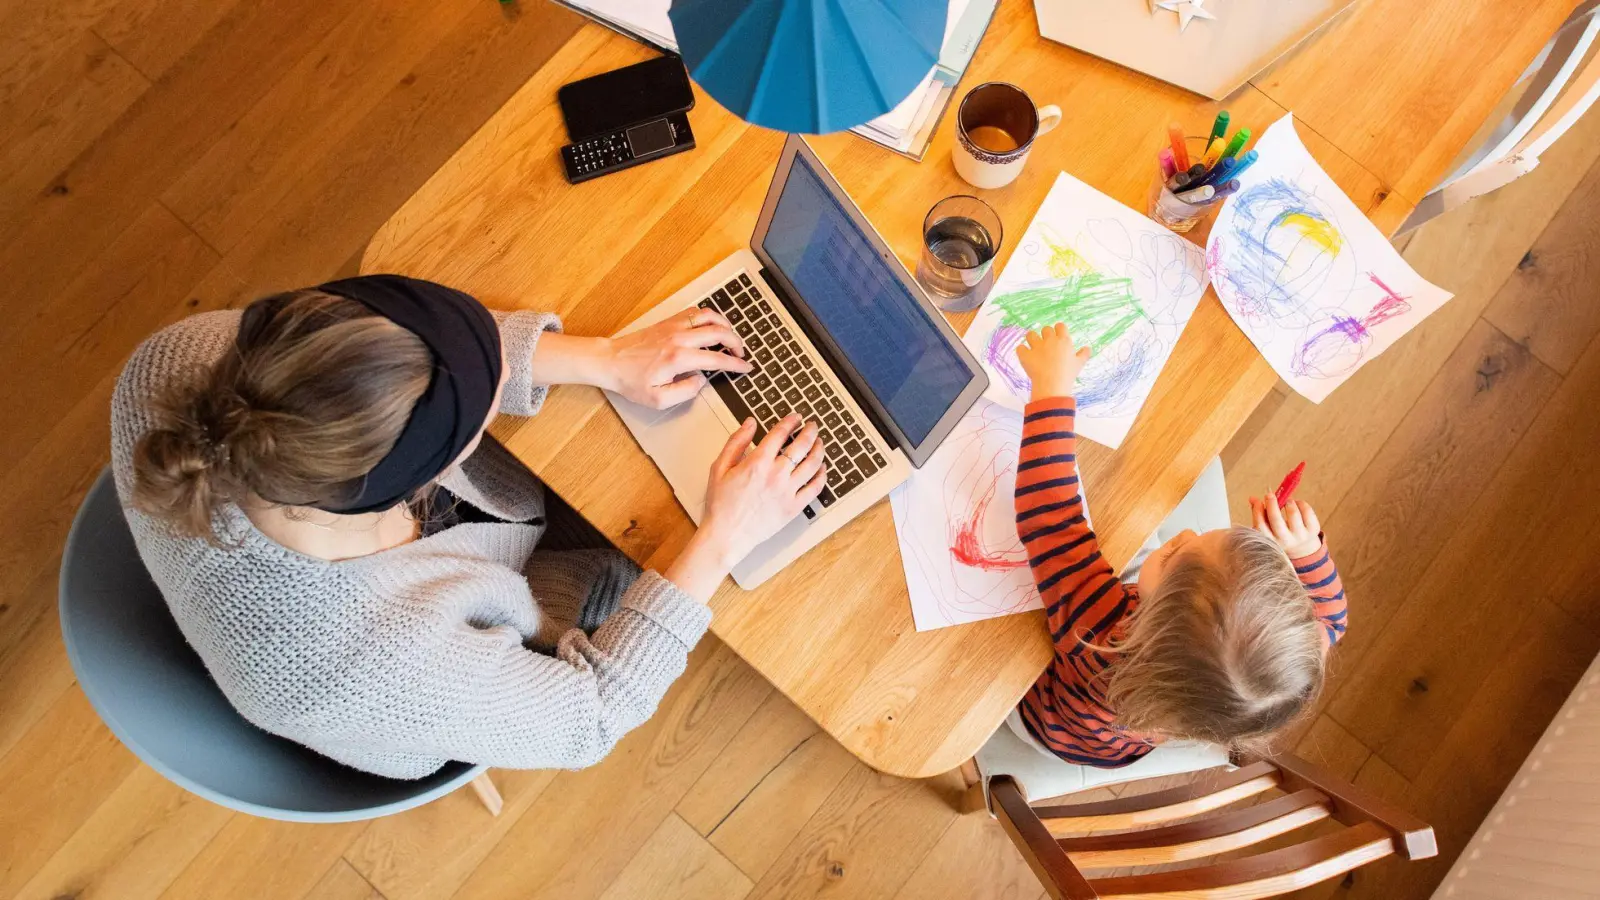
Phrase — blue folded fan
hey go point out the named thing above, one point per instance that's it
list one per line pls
(809, 66)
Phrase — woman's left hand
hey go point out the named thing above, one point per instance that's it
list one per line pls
(661, 366)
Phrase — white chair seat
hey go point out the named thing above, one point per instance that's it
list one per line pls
(1042, 775)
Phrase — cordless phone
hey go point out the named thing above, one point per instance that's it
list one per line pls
(626, 147)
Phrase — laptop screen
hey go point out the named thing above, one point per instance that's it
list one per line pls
(877, 323)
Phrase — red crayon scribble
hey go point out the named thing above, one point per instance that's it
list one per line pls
(966, 544)
(1392, 304)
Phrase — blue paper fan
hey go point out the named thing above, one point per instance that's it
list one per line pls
(809, 66)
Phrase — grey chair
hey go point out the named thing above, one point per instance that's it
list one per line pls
(156, 696)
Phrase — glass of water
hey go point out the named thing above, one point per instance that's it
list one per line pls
(960, 237)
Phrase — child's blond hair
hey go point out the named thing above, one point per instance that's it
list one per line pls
(1227, 654)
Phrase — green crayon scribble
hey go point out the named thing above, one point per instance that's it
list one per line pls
(1098, 308)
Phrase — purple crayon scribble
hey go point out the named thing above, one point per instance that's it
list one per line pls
(1001, 354)
(1341, 345)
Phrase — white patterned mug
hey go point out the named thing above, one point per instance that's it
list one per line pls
(995, 128)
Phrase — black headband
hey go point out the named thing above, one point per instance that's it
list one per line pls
(465, 344)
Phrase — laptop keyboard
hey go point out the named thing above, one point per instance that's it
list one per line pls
(783, 379)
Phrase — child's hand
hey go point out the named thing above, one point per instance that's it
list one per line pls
(1050, 360)
(1294, 527)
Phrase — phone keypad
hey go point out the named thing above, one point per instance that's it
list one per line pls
(598, 153)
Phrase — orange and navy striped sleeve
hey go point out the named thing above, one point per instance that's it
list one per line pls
(1066, 709)
(1321, 578)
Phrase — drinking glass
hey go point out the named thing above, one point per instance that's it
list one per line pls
(1166, 208)
(960, 237)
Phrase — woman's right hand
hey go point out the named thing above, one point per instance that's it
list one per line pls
(751, 494)
(754, 492)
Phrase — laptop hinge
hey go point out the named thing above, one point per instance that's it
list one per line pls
(832, 360)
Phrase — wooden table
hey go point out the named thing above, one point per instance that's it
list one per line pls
(1385, 99)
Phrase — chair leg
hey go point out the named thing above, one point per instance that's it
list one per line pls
(484, 787)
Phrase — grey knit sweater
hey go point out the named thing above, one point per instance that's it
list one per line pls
(464, 645)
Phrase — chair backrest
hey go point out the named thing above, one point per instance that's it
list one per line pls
(156, 696)
(1203, 819)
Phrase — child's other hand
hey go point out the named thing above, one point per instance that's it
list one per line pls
(1294, 527)
(1051, 361)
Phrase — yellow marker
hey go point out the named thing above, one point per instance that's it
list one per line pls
(1213, 155)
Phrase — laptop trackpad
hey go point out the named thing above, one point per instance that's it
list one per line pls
(683, 441)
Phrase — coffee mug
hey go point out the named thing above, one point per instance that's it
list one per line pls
(995, 128)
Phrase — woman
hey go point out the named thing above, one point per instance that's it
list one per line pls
(361, 572)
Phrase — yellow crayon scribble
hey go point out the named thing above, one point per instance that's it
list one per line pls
(1065, 262)
(1316, 229)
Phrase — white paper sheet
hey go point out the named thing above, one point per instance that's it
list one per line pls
(956, 522)
(1124, 284)
(1316, 287)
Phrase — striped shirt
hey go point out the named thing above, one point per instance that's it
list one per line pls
(1066, 709)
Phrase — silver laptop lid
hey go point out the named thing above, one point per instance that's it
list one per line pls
(883, 337)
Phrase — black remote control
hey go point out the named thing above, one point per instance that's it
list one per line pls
(631, 146)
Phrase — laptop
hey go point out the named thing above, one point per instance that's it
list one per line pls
(837, 331)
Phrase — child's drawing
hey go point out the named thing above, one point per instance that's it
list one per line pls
(1125, 286)
(957, 527)
(1313, 284)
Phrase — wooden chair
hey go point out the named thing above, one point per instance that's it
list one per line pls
(1195, 821)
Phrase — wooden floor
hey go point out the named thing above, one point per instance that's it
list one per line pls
(159, 157)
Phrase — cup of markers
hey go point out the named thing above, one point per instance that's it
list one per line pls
(1195, 175)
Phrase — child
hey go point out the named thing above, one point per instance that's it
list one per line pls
(1222, 637)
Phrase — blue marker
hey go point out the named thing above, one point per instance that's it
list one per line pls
(1241, 163)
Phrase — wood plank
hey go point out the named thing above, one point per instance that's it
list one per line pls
(253, 857)
(341, 882)
(776, 731)
(552, 851)
(865, 842)
(756, 832)
(1472, 251)
(33, 35)
(37, 665)
(51, 782)
(45, 490)
(70, 104)
(154, 34)
(122, 296)
(426, 853)
(676, 863)
(112, 183)
(1327, 744)
(339, 201)
(133, 846)
(1405, 100)
(973, 858)
(234, 185)
(1420, 675)
(1551, 302)
(1418, 489)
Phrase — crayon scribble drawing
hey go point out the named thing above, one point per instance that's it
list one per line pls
(957, 527)
(1125, 286)
(1313, 284)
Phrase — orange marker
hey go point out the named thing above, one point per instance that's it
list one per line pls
(1180, 147)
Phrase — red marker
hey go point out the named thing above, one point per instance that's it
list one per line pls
(1290, 482)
